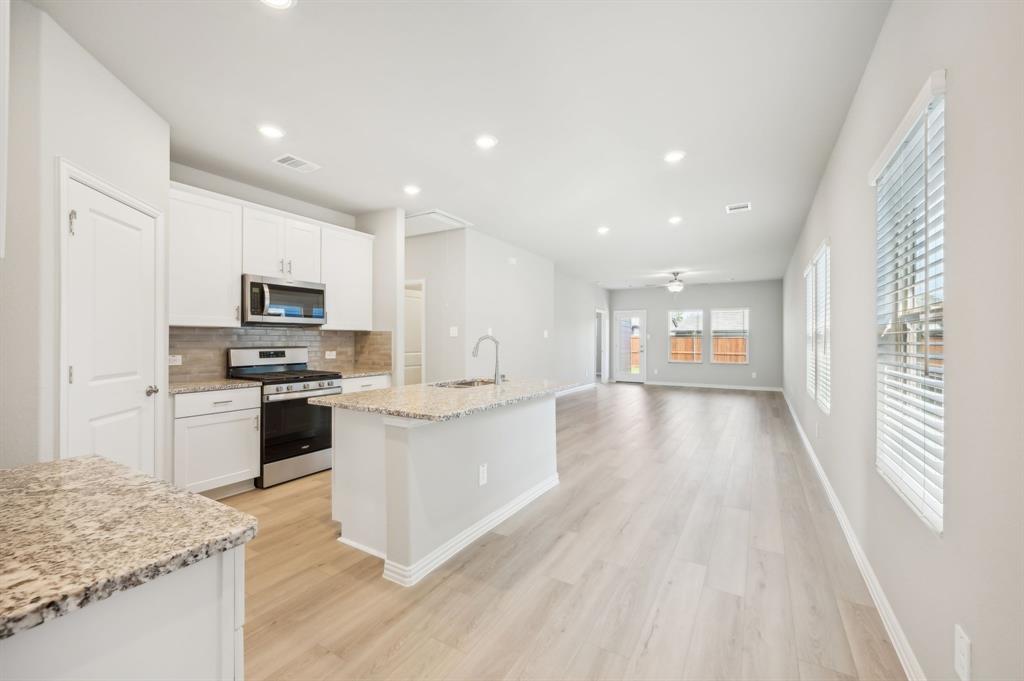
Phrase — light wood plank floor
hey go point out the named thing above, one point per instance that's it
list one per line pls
(689, 539)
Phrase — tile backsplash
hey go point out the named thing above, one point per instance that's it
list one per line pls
(204, 350)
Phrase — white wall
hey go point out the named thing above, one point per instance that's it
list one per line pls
(440, 260)
(575, 337)
(510, 291)
(973, 574)
(63, 104)
(388, 226)
(763, 298)
(224, 185)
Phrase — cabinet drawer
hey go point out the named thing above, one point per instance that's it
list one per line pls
(216, 401)
(356, 385)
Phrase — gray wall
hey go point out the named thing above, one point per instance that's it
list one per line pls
(763, 298)
(63, 104)
(516, 301)
(575, 337)
(440, 260)
(388, 226)
(972, 573)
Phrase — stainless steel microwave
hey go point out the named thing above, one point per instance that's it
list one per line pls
(269, 300)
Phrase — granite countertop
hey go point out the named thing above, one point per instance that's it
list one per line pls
(359, 373)
(180, 387)
(433, 402)
(79, 530)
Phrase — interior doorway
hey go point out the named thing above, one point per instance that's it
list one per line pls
(415, 332)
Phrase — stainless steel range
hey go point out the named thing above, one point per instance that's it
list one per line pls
(296, 434)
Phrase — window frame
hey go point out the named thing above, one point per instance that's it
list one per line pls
(917, 495)
(668, 334)
(817, 371)
(711, 325)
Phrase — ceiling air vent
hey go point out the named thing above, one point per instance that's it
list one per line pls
(297, 164)
(738, 207)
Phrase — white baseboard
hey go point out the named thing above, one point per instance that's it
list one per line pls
(672, 384)
(911, 667)
(575, 389)
(362, 547)
(407, 575)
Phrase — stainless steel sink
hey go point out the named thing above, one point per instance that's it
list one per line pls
(467, 383)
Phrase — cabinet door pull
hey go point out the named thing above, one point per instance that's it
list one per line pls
(224, 402)
(281, 266)
(256, 422)
(290, 266)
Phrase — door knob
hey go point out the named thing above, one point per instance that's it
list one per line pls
(151, 390)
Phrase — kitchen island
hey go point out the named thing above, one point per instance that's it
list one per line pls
(106, 573)
(421, 471)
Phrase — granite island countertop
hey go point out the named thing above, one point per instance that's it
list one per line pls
(79, 530)
(435, 402)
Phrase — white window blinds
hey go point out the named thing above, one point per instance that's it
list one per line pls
(730, 336)
(909, 287)
(686, 335)
(823, 326)
(818, 311)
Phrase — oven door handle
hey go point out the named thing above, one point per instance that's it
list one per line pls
(281, 397)
(266, 299)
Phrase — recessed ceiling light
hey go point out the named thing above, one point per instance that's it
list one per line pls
(271, 132)
(486, 141)
(675, 156)
(411, 189)
(603, 229)
(279, 4)
(675, 220)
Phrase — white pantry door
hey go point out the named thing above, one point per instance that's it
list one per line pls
(630, 345)
(111, 334)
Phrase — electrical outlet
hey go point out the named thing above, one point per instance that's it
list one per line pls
(545, 333)
(513, 260)
(330, 354)
(753, 374)
(817, 432)
(174, 360)
(490, 331)
(453, 331)
(483, 474)
(655, 372)
(961, 653)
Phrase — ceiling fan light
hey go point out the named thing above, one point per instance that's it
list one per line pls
(674, 286)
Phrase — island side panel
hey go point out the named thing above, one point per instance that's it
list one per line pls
(357, 480)
(435, 502)
(143, 632)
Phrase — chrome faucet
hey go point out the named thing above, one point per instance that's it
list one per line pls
(497, 366)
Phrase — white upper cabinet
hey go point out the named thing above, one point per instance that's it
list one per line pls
(302, 250)
(205, 270)
(347, 269)
(215, 239)
(263, 244)
(274, 245)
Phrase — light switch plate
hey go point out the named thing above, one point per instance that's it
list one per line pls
(545, 333)
(453, 331)
(961, 653)
(330, 354)
(174, 360)
(490, 331)
(483, 474)
(753, 374)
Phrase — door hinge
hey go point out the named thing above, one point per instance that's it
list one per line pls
(71, 374)
(72, 216)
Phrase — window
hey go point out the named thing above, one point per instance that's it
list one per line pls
(910, 300)
(818, 284)
(686, 336)
(730, 336)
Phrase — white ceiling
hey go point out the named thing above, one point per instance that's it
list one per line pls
(584, 98)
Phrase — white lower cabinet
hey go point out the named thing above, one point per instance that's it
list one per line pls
(216, 449)
(358, 385)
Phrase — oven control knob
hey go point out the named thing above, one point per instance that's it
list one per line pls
(305, 386)
(320, 384)
(278, 389)
(288, 388)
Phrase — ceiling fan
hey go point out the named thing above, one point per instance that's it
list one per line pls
(674, 285)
